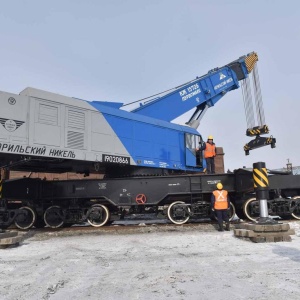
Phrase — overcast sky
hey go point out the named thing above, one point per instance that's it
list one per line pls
(125, 50)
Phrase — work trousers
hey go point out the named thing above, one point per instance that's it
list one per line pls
(222, 215)
(210, 165)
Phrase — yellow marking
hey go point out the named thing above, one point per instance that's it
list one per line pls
(250, 61)
(262, 175)
(266, 174)
(260, 183)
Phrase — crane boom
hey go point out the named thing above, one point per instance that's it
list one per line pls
(205, 91)
(199, 93)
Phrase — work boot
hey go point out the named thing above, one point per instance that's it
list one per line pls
(227, 226)
(220, 228)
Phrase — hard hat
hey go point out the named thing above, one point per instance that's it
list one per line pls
(219, 186)
(210, 137)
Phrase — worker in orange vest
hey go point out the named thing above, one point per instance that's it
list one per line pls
(209, 155)
(221, 204)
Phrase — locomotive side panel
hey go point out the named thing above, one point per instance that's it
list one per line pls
(14, 122)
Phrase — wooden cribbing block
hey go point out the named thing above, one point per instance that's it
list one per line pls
(251, 233)
(258, 233)
(10, 238)
(264, 228)
(8, 234)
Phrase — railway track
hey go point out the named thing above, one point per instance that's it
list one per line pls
(119, 228)
(131, 226)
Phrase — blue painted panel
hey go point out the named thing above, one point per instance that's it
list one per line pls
(143, 149)
(175, 137)
(190, 95)
(190, 158)
(123, 127)
(175, 153)
(150, 142)
(110, 104)
(135, 117)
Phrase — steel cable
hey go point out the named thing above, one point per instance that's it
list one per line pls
(248, 104)
(258, 97)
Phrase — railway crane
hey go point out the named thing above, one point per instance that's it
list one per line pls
(43, 131)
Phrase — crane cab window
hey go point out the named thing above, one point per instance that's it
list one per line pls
(192, 141)
(193, 156)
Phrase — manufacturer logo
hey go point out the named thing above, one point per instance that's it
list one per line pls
(10, 125)
(11, 101)
(222, 76)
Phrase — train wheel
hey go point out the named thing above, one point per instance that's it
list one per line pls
(251, 209)
(98, 215)
(177, 213)
(231, 213)
(54, 217)
(296, 203)
(26, 218)
(239, 210)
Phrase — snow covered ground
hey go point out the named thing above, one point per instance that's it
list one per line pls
(150, 263)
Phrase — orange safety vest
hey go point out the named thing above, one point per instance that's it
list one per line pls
(210, 150)
(221, 201)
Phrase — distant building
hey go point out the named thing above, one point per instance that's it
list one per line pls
(295, 170)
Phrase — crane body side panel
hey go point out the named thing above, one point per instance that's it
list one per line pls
(46, 125)
(116, 191)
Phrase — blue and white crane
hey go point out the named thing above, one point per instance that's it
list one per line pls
(205, 91)
(43, 131)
